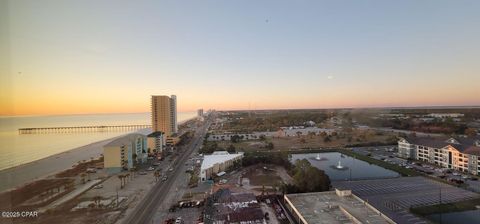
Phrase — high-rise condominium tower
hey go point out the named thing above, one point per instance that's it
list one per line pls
(164, 114)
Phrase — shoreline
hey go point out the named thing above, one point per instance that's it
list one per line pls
(22, 174)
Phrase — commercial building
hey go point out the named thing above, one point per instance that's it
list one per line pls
(164, 114)
(331, 207)
(156, 141)
(125, 152)
(217, 162)
(460, 153)
(445, 115)
(200, 112)
(225, 207)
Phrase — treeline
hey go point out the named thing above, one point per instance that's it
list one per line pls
(307, 178)
(245, 122)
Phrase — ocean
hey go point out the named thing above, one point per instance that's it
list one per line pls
(17, 149)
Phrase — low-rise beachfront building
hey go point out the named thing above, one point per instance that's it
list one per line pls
(125, 152)
(339, 206)
(462, 154)
(217, 162)
(156, 141)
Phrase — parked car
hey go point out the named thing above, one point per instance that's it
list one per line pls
(156, 164)
(99, 186)
(91, 170)
(150, 169)
(142, 173)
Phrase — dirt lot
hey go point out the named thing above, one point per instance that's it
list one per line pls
(256, 178)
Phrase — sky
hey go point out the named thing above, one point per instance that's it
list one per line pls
(74, 57)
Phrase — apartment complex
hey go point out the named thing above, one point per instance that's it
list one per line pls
(125, 152)
(217, 162)
(460, 153)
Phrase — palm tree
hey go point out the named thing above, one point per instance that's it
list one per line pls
(132, 171)
(127, 176)
(298, 134)
(82, 175)
(120, 176)
(97, 200)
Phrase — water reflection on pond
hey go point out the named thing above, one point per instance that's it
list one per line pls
(341, 167)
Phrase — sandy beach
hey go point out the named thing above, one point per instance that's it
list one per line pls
(22, 174)
(28, 172)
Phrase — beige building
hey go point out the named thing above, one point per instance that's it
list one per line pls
(164, 119)
(217, 162)
(462, 154)
(331, 207)
(156, 141)
(125, 152)
(162, 115)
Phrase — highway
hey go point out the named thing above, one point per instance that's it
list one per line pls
(144, 211)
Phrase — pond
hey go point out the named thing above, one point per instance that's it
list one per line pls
(471, 216)
(349, 167)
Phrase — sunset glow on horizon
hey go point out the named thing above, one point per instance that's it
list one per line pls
(82, 57)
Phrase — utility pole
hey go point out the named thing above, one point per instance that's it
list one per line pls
(440, 197)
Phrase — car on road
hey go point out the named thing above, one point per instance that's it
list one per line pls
(171, 169)
(91, 170)
(99, 186)
(164, 178)
(142, 173)
(150, 169)
(155, 164)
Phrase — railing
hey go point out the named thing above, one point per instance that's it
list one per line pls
(76, 129)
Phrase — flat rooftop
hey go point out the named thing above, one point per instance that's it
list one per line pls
(395, 196)
(330, 208)
(217, 157)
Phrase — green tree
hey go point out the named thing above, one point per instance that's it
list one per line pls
(270, 146)
(231, 148)
(471, 132)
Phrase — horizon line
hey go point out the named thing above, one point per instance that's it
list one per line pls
(277, 109)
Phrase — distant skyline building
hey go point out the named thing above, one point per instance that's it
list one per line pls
(200, 112)
(164, 114)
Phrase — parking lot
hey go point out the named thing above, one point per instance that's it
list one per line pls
(389, 154)
(395, 196)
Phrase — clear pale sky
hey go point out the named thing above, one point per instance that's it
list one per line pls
(64, 57)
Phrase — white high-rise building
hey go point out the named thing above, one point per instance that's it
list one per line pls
(173, 109)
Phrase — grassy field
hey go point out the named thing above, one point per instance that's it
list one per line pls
(307, 142)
